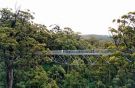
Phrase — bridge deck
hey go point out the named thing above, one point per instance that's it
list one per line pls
(80, 52)
(86, 53)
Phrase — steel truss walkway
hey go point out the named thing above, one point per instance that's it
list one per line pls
(81, 52)
(88, 56)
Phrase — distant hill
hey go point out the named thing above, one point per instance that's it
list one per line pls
(99, 37)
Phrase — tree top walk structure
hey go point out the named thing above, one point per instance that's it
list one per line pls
(93, 52)
(93, 55)
(68, 56)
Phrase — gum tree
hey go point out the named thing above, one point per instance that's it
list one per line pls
(20, 43)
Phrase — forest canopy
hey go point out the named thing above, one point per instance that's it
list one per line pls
(24, 62)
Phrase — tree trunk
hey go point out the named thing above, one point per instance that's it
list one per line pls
(10, 77)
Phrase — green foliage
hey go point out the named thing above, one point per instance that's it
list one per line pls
(2, 75)
(24, 44)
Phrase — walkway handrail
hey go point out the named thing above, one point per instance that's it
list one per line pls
(92, 51)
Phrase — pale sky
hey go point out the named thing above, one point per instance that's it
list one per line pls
(85, 16)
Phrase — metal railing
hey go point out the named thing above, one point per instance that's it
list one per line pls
(81, 52)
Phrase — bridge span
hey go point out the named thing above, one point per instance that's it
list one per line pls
(67, 56)
(93, 52)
